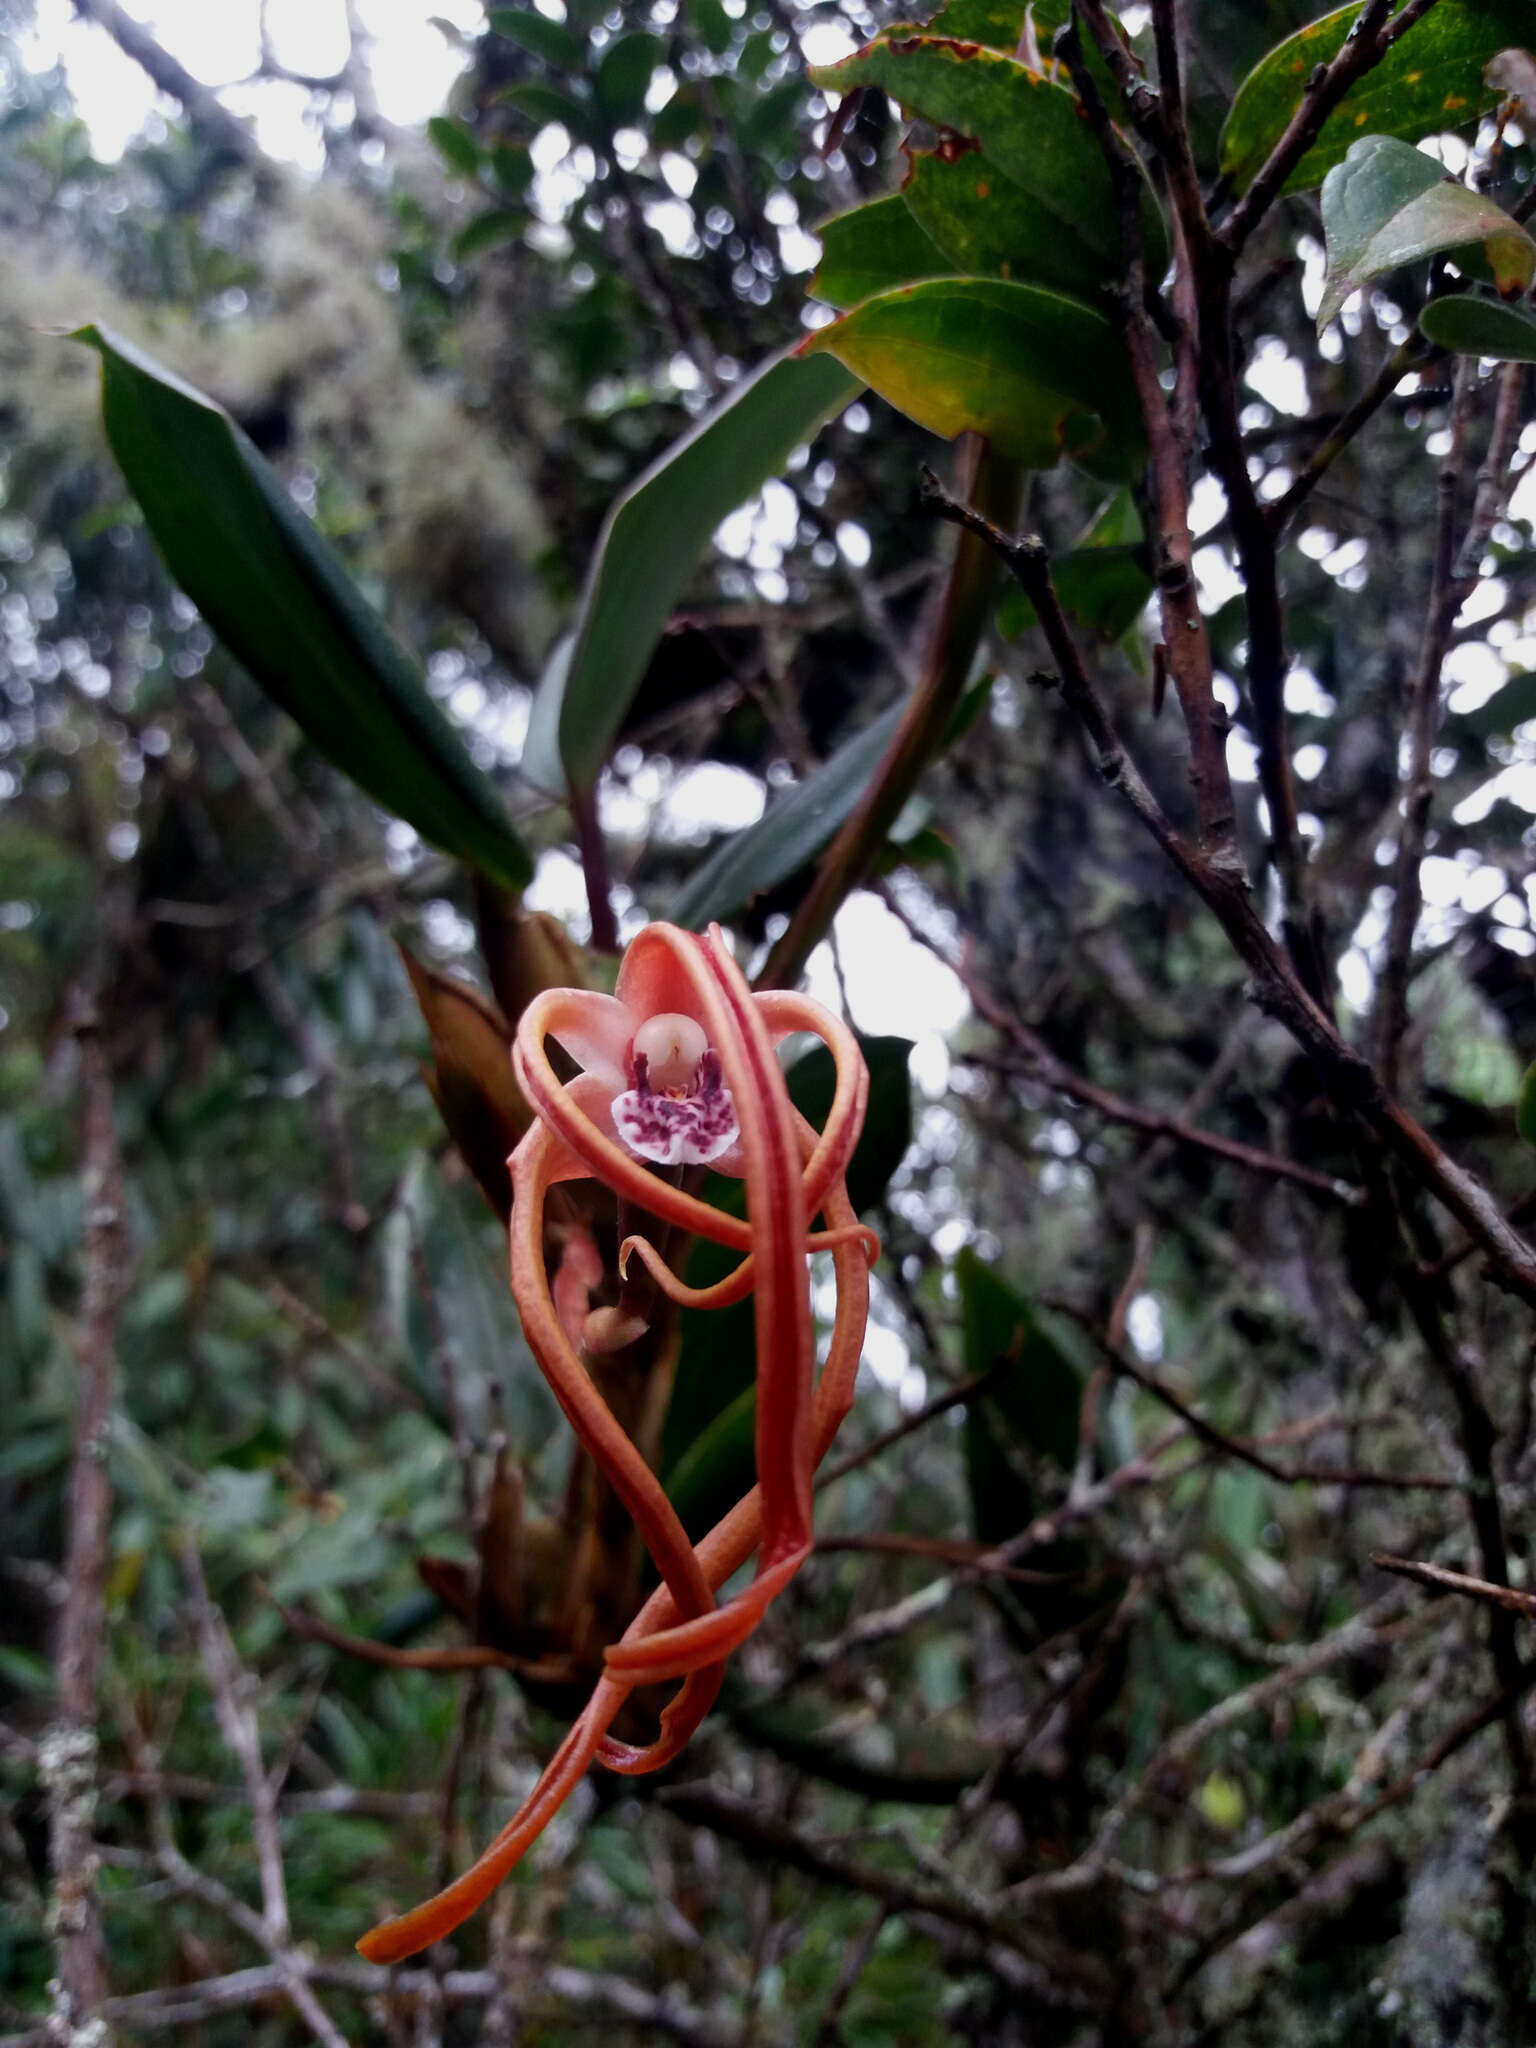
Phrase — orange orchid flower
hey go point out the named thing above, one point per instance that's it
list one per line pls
(678, 1068)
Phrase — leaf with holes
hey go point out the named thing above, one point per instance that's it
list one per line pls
(1474, 326)
(272, 589)
(1038, 374)
(1429, 81)
(1388, 204)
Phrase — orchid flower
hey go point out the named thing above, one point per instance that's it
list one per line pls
(679, 1069)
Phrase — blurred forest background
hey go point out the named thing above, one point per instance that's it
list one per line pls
(1189, 1768)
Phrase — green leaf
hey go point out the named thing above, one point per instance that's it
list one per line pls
(276, 595)
(1389, 204)
(872, 249)
(551, 41)
(1103, 581)
(1514, 704)
(717, 1468)
(987, 225)
(789, 833)
(1429, 81)
(1035, 1401)
(714, 25)
(624, 77)
(1525, 1106)
(1471, 325)
(1029, 129)
(1038, 374)
(1104, 589)
(716, 1364)
(652, 541)
(487, 231)
(766, 126)
(997, 23)
(455, 145)
(545, 104)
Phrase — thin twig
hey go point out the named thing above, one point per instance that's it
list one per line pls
(68, 1751)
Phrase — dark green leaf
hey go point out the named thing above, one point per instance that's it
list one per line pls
(1031, 130)
(1388, 204)
(887, 1120)
(788, 834)
(512, 168)
(624, 77)
(873, 249)
(718, 1467)
(1525, 1106)
(544, 104)
(652, 541)
(1475, 326)
(1040, 375)
(997, 23)
(1034, 1403)
(713, 24)
(986, 225)
(455, 145)
(1430, 80)
(549, 40)
(1513, 705)
(1104, 589)
(766, 127)
(487, 231)
(279, 599)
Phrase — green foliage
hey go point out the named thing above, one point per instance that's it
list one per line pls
(649, 546)
(1032, 1404)
(1430, 80)
(789, 834)
(1039, 375)
(1477, 326)
(1388, 205)
(275, 592)
(1040, 189)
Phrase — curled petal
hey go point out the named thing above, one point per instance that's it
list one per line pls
(784, 1012)
(594, 1029)
(585, 1409)
(736, 1285)
(720, 1554)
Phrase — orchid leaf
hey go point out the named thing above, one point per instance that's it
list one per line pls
(1388, 204)
(791, 832)
(1038, 374)
(270, 586)
(651, 543)
(1430, 80)
(1471, 325)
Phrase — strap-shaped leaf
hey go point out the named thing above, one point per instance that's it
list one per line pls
(1388, 204)
(1475, 326)
(281, 602)
(1430, 80)
(789, 834)
(653, 539)
(1038, 374)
